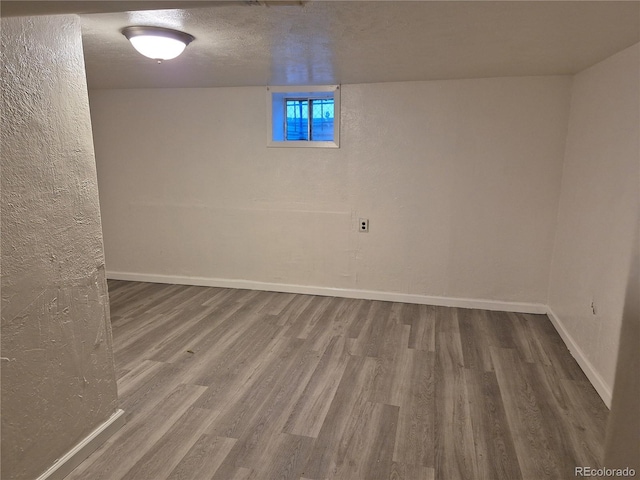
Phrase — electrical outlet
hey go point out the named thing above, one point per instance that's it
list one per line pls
(363, 225)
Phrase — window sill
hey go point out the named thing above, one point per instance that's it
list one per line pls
(302, 144)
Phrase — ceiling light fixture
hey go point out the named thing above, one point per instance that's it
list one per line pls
(157, 42)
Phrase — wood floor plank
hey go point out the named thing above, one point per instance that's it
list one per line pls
(415, 438)
(376, 331)
(209, 349)
(306, 320)
(422, 319)
(455, 455)
(555, 421)
(161, 330)
(162, 301)
(285, 456)
(311, 409)
(475, 340)
(229, 381)
(198, 328)
(401, 471)
(165, 455)
(280, 302)
(174, 320)
(495, 451)
(533, 447)
(389, 351)
(329, 325)
(499, 328)
(228, 468)
(547, 347)
(268, 420)
(158, 319)
(238, 416)
(292, 310)
(135, 294)
(366, 331)
(348, 401)
(132, 380)
(248, 346)
(341, 320)
(535, 338)
(225, 384)
(149, 390)
(521, 337)
(587, 421)
(172, 334)
(137, 437)
(368, 448)
(241, 473)
(203, 458)
(360, 319)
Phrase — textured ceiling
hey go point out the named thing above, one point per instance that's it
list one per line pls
(326, 42)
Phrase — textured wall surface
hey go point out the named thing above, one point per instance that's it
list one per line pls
(598, 211)
(58, 381)
(459, 179)
(623, 425)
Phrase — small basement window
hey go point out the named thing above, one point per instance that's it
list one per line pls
(303, 116)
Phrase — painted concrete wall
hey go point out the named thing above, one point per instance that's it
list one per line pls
(460, 181)
(58, 381)
(598, 210)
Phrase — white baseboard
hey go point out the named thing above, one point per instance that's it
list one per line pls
(592, 374)
(66, 464)
(495, 305)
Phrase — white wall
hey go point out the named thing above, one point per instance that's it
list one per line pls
(58, 379)
(460, 181)
(598, 213)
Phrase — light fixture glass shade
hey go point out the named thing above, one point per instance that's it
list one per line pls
(156, 42)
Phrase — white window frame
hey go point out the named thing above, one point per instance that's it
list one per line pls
(275, 97)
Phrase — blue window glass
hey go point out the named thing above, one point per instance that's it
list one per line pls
(309, 119)
(322, 115)
(297, 120)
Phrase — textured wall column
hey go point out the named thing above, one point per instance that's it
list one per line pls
(58, 380)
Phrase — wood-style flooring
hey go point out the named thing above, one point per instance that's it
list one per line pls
(223, 384)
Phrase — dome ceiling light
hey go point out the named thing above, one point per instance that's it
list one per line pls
(157, 42)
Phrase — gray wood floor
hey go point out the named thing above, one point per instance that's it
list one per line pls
(235, 384)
